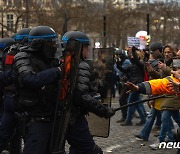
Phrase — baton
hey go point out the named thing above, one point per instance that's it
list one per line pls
(141, 101)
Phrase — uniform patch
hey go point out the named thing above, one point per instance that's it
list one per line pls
(9, 59)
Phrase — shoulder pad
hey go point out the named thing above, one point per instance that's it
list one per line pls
(21, 55)
(83, 65)
(14, 46)
(28, 49)
(22, 48)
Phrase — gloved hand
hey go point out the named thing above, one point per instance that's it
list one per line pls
(55, 62)
(110, 112)
(92, 105)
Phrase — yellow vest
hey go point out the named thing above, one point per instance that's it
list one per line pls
(157, 103)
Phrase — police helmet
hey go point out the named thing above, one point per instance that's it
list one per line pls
(45, 38)
(13, 36)
(76, 35)
(22, 34)
(5, 42)
(82, 38)
(42, 32)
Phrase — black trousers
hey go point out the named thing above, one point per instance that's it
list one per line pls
(79, 138)
(37, 140)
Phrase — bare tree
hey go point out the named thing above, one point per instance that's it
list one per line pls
(165, 22)
(18, 14)
(83, 15)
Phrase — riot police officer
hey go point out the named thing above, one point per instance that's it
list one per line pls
(20, 40)
(37, 83)
(22, 35)
(78, 135)
(9, 119)
(4, 44)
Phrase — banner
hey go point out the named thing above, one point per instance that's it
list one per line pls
(133, 41)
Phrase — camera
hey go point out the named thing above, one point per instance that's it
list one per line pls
(153, 63)
(176, 64)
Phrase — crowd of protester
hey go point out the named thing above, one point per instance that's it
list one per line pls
(136, 66)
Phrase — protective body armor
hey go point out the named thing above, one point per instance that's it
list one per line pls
(83, 98)
(83, 82)
(36, 101)
(7, 63)
(9, 57)
(82, 85)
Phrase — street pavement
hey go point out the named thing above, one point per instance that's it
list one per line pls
(122, 141)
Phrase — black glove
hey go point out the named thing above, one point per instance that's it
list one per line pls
(92, 105)
(110, 112)
(55, 62)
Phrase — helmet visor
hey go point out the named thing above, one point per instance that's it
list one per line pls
(55, 44)
(87, 52)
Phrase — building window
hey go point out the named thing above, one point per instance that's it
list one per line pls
(138, 5)
(10, 2)
(9, 21)
(7, 2)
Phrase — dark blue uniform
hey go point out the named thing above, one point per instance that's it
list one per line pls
(7, 89)
(37, 88)
(78, 135)
(4, 46)
(8, 119)
(80, 139)
(11, 105)
(39, 130)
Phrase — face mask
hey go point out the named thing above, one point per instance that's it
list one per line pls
(52, 48)
(49, 51)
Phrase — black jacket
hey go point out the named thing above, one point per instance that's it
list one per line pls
(135, 71)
